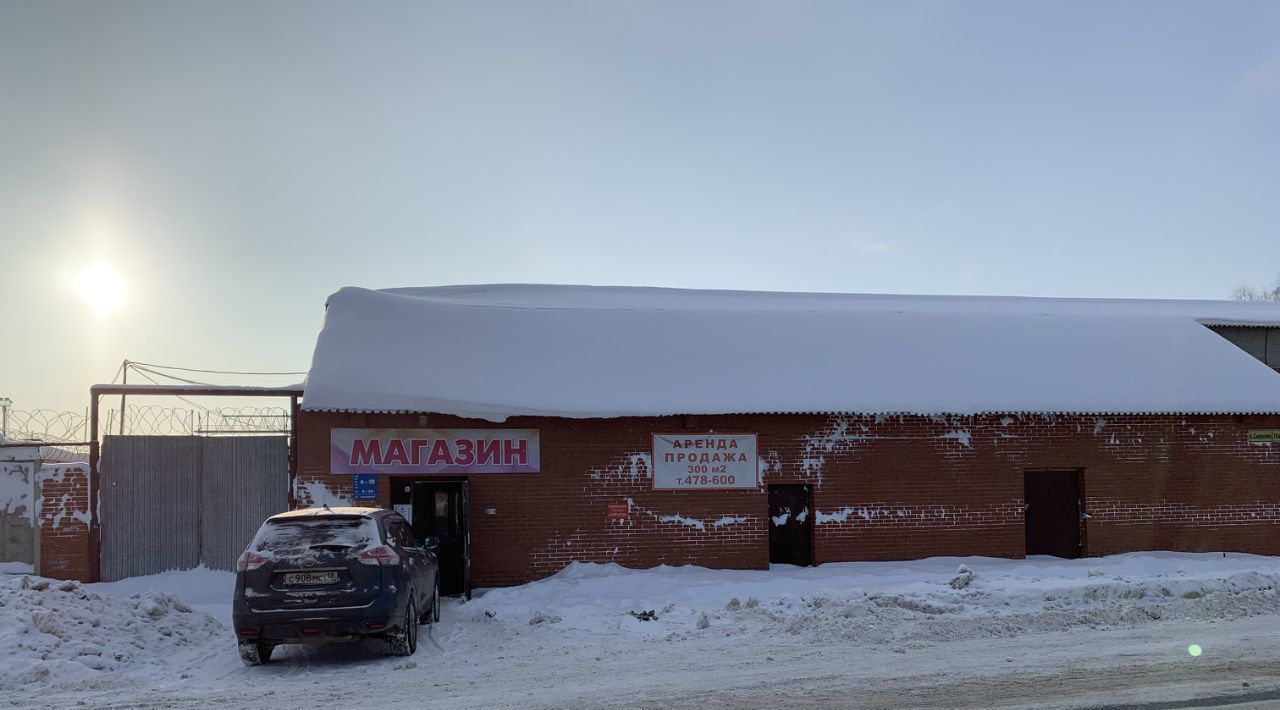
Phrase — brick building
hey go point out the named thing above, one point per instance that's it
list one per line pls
(45, 510)
(530, 426)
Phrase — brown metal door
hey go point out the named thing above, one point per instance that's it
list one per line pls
(1053, 513)
(790, 525)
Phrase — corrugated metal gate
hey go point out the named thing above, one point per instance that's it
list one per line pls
(172, 502)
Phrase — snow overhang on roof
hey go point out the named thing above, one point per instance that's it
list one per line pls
(492, 352)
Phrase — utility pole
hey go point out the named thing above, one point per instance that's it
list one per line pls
(5, 402)
(124, 369)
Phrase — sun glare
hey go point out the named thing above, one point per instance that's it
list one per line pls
(101, 287)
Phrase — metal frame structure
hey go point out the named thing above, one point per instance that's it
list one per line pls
(96, 392)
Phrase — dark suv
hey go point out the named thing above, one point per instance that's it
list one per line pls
(334, 574)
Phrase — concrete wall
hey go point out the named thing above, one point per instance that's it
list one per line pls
(17, 511)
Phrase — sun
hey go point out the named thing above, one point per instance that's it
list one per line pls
(101, 287)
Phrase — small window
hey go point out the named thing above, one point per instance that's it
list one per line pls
(293, 536)
(442, 504)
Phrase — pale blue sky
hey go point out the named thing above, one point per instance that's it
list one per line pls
(237, 162)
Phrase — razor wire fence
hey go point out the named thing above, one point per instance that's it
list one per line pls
(45, 425)
(52, 426)
(207, 421)
(190, 418)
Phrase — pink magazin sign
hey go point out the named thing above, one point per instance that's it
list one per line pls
(420, 451)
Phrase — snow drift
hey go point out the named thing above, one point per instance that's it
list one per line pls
(53, 631)
(906, 602)
(109, 644)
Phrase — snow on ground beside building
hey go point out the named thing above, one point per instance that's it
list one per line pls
(204, 590)
(879, 600)
(166, 639)
(61, 632)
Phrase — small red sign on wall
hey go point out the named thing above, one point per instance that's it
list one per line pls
(619, 511)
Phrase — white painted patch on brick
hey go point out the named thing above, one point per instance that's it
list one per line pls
(320, 494)
(678, 518)
(835, 516)
(960, 435)
(636, 464)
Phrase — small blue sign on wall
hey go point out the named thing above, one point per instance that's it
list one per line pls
(364, 486)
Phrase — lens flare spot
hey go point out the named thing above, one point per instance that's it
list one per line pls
(1194, 649)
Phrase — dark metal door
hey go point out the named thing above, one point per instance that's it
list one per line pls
(1053, 513)
(790, 525)
(439, 510)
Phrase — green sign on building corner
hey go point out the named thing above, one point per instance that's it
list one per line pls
(1264, 436)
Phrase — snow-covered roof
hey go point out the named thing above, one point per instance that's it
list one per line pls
(576, 351)
(631, 297)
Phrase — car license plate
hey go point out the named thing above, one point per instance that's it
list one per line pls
(300, 578)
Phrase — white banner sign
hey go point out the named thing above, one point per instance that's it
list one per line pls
(704, 461)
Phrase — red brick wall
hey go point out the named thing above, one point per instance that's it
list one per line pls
(884, 487)
(1191, 484)
(525, 526)
(65, 550)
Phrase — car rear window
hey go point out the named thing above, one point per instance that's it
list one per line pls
(294, 536)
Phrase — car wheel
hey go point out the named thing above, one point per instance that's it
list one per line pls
(432, 614)
(405, 641)
(253, 653)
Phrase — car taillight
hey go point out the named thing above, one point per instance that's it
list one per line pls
(380, 555)
(249, 561)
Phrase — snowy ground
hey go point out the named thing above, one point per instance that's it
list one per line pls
(1007, 633)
